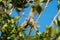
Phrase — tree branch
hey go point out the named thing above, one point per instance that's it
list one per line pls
(30, 32)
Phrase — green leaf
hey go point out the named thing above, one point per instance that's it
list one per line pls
(8, 0)
(10, 5)
(34, 8)
(1, 4)
(56, 31)
(12, 21)
(5, 25)
(48, 38)
(55, 21)
(51, 31)
(18, 9)
(39, 9)
(38, 1)
(11, 36)
(58, 21)
(47, 28)
(16, 18)
(59, 6)
(59, 1)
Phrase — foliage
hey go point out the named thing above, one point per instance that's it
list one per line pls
(11, 31)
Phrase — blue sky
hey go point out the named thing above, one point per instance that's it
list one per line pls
(48, 15)
(45, 19)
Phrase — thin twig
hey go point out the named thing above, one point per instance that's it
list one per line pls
(47, 4)
(55, 18)
(30, 32)
(10, 12)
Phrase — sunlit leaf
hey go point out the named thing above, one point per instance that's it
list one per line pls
(12, 21)
(58, 38)
(24, 25)
(18, 9)
(4, 25)
(8, 0)
(20, 34)
(51, 31)
(56, 31)
(0, 0)
(13, 31)
(55, 21)
(16, 18)
(38, 26)
(8, 21)
(10, 5)
(47, 28)
(59, 1)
